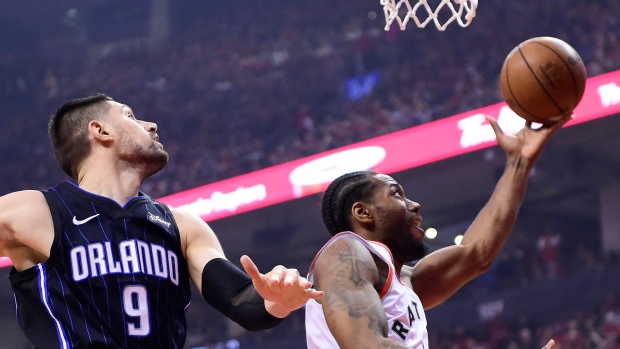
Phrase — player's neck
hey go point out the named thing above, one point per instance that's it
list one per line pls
(109, 181)
(370, 236)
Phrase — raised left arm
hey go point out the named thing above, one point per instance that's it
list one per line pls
(440, 274)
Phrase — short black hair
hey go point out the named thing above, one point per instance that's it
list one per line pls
(340, 196)
(68, 133)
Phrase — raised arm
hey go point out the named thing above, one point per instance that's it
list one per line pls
(440, 274)
(255, 301)
(347, 273)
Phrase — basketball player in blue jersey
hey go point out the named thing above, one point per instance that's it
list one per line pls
(99, 264)
(372, 298)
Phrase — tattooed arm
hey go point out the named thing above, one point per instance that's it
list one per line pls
(440, 274)
(348, 274)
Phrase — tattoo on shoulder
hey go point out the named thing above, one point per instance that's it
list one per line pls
(349, 271)
(350, 265)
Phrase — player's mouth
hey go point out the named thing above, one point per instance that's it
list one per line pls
(417, 223)
(156, 140)
(417, 220)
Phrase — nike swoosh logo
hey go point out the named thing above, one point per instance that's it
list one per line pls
(79, 222)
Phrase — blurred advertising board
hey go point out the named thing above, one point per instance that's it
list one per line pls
(398, 151)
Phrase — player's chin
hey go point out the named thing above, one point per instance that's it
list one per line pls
(418, 233)
(415, 247)
(159, 152)
(156, 161)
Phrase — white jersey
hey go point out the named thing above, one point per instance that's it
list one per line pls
(403, 309)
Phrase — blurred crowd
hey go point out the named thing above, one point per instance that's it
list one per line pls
(598, 329)
(260, 84)
(257, 84)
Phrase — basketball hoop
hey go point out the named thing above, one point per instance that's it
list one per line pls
(463, 11)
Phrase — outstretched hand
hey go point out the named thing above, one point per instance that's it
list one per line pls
(527, 143)
(283, 287)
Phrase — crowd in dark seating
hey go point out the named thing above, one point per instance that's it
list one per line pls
(233, 94)
(598, 329)
(261, 84)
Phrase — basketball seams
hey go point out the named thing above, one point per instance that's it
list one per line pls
(570, 71)
(536, 86)
(534, 116)
(538, 80)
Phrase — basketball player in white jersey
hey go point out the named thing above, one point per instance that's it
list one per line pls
(372, 299)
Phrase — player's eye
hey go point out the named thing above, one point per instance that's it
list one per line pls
(395, 192)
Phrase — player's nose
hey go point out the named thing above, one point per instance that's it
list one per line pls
(149, 126)
(413, 206)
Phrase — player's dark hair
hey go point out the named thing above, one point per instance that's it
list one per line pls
(68, 130)
(340, 196)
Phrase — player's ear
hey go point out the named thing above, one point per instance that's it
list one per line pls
(361, 212)
(100, 131)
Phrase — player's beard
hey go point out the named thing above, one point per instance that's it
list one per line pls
(406, 248)
(401, 239)
(147, 160)
(412, 247)
(412, 250)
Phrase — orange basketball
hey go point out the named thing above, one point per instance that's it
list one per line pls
(543, 79)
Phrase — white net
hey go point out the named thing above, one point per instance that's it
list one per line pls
(463, 11)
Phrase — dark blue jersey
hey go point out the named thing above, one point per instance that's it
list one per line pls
(116, 276)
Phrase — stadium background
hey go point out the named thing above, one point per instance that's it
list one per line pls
(241, 86)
